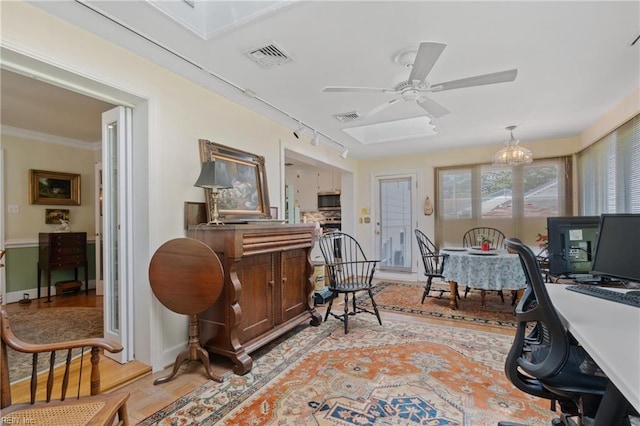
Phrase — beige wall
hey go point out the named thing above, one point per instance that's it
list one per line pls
(622, 112)
(22, 154)
(179, 113)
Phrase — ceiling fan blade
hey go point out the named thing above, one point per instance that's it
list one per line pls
(478, 80)
(380, 108)
(434, 109)
(428, 54)
(357, 89)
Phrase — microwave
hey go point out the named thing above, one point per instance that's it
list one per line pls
(329, 200)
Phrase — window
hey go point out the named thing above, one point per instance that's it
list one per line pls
(609, 172)
(516, 200)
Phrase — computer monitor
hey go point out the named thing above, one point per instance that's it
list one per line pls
(572, 241)
(618, 247)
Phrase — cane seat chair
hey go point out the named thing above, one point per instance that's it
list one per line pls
(496, 238)
(545, 360)
(433, 263)
(55, 408)
(348, 272)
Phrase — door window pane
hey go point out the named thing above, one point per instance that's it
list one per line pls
(395, 223)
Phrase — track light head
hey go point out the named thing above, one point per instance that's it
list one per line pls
(345, 151)
(315, 141)
(298, 131)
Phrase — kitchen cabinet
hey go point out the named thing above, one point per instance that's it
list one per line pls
(328, 180)
(308, 182)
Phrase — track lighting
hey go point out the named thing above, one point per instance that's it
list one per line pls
(315, 141)
(298, 131)
(345, 151)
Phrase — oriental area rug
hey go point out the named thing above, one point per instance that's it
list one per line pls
(405, 298)
(48, 326)
(401, 373)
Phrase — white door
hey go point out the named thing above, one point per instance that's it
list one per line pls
(98, 222)
(2, 242)
(116, 234)
(395, 201)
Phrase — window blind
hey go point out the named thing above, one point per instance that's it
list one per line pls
(609, 172)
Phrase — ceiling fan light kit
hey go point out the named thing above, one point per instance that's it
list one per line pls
(512, 154)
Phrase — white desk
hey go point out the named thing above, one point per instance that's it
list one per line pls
(609, 332)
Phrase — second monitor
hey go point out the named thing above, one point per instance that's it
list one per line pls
(572, 242)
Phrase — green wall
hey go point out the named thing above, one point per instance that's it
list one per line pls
(22, 269)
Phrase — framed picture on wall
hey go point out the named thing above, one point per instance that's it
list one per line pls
(243, 174)
(55, 188)
(54, 216)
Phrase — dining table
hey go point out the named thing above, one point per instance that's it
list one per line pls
(492, 270)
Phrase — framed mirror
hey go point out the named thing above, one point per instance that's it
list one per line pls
(244, 174)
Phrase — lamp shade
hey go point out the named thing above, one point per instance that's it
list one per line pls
(207, 178)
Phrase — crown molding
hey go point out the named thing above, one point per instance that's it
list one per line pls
(45, 137)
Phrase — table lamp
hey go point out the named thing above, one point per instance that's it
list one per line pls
(207, 179)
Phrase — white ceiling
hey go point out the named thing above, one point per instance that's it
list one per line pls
(30, 104)
(574, 59)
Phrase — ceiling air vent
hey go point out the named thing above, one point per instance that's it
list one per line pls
(347, 116)
(269, 56)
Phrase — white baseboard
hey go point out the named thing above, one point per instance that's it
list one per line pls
(16, 296)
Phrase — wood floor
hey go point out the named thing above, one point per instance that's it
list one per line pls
(136, 378)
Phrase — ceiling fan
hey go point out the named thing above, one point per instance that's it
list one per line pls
(415, 88)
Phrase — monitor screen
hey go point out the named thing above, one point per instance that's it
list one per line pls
(618, 247)
(572, 241)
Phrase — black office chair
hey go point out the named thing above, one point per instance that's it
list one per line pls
(348, 271)
(545, 360)
(496, 238)
(433, 263)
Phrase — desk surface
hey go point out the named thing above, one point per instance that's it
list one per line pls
(610, 333)
(487, 272)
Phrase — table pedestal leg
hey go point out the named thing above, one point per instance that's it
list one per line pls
(194, 352)
(483, 295)
(453, 292)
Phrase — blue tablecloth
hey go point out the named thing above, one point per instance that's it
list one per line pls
(487, 272)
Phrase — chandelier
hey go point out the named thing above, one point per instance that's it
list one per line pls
(512, 154)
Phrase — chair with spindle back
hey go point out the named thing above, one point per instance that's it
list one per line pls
(56, 408)
(496, 241)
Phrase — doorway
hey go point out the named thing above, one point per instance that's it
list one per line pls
(63, 80)
(395, 198)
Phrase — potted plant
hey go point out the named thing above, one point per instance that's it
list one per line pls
(485, 242)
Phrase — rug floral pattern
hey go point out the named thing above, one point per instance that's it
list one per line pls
(48, 326)
(405, 298)
(400, 373)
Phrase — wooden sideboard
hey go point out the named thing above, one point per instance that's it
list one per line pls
(62, 250)
(267, 287)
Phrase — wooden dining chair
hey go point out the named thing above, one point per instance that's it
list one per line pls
(348, 272)
(55, 407)
(496, 241)
(433, 263)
